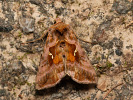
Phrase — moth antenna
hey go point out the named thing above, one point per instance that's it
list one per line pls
(43, 35)
(83, 39)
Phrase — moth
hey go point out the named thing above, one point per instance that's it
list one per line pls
(63, 56)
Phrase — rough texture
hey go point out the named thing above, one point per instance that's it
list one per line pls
(105, 23)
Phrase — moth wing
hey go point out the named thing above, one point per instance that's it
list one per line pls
(50, 71)
(78, 66)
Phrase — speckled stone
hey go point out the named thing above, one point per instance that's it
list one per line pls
(122, 6)
(24, 48)
(36, 2)
(27, 24)
(128, 47)
(2, 92)
(100, 35)
(118, 61)
(64, 1)
(118, 52)
(59, 11)
(5, 26)
(129, 78)
(18, 66)
(56, 96)
(117, 42)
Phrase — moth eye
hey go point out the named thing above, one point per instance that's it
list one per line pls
(51, 55)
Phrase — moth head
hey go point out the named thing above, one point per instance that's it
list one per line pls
(61, 29)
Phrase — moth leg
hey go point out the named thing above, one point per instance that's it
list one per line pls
(43, 35)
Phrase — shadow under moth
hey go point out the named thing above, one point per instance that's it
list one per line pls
(63, 56)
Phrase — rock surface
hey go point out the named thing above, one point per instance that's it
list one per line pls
(107, 24)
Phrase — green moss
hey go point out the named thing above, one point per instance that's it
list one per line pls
(14, 93)
(86, 99)
(125, 64)
(29, 84)
(109, 64)
(95, 68)
(14, 88)
(90, 14)
(19, 34)
(98, 58)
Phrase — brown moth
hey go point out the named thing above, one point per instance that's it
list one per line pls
(63, 56)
